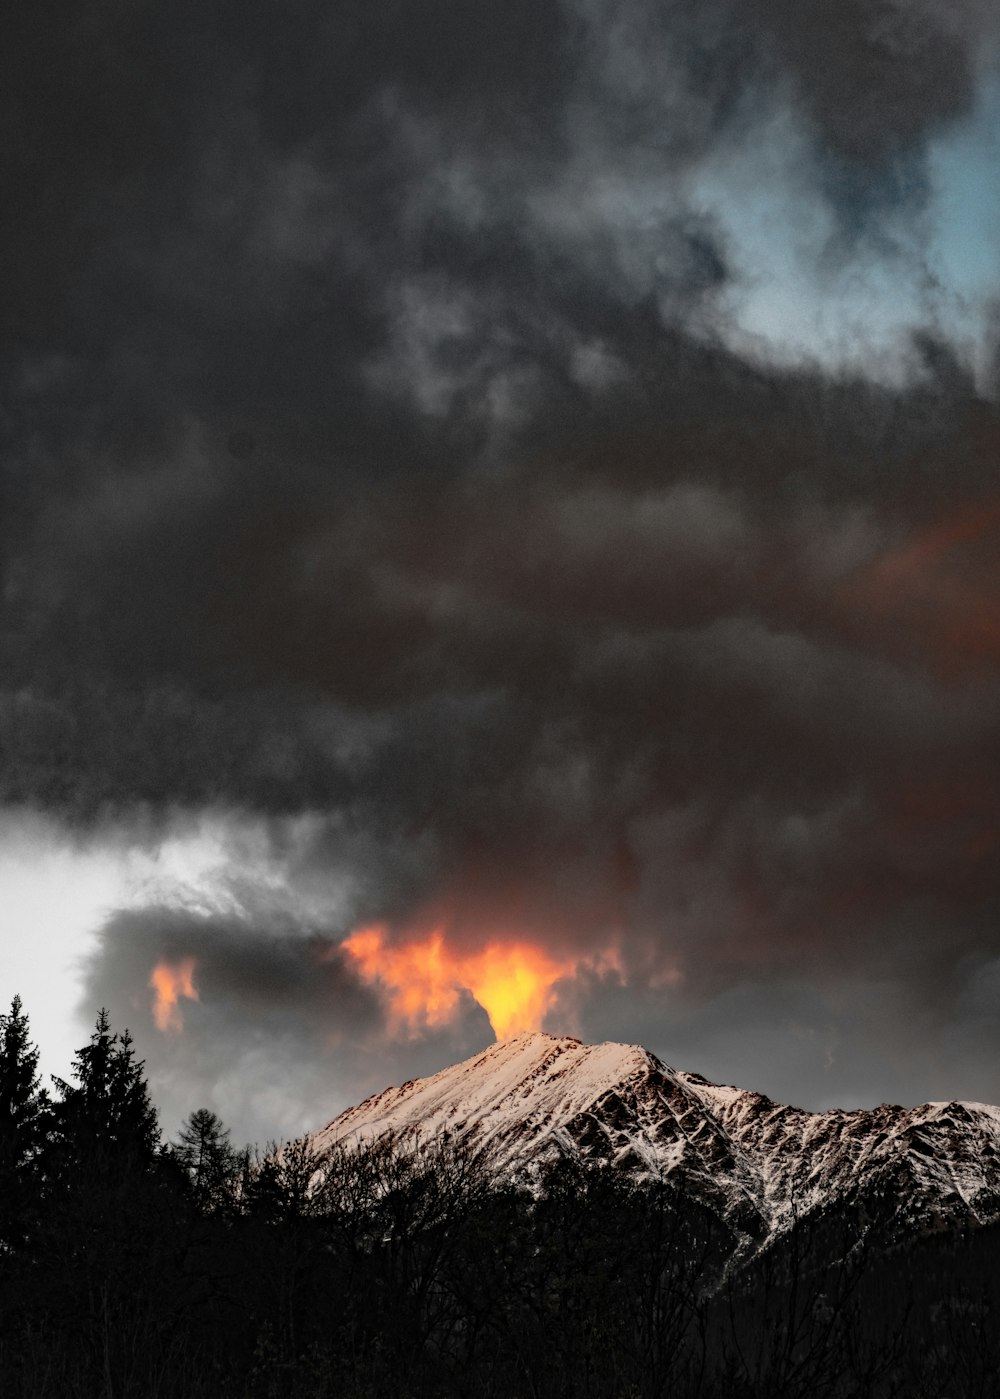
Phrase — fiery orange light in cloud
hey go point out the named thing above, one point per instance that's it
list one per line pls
(513, 982)
(170, 982)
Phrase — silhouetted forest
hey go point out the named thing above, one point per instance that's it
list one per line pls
(134, 1267)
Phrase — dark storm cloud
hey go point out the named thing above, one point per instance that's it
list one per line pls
(877, 76)
(376, 450)
(214, 214)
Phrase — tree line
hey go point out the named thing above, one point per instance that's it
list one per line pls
(131, 1266)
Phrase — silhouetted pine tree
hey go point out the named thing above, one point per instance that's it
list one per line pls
(105, 1120)
(22, 1126)
(108, 1287)
(212, 1165)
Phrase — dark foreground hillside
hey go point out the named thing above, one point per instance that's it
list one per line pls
(130, 1269)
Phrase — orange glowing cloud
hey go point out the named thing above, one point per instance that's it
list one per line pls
(514, 982)
(170, 982)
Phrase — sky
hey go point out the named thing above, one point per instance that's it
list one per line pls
(500, 529)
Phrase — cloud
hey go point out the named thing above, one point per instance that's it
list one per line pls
(280, 1031)
(536, 466)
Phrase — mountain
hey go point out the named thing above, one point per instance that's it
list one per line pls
(757, 1164)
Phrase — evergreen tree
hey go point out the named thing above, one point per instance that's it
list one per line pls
(204, 1150)
(112, 1241)
(106, 1117)
(22, 1124)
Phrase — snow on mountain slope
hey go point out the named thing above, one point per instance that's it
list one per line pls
(941, 1160)
(535, 1097)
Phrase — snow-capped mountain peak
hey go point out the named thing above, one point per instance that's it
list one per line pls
(760, 1165)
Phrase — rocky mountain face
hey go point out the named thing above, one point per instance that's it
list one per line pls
(758, 1165)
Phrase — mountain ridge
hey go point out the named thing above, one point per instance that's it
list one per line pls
(760, 1165)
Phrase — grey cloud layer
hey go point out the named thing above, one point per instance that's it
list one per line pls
(373, 450)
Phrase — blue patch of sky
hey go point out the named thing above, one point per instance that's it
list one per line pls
(965, 242)
(801, 291)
